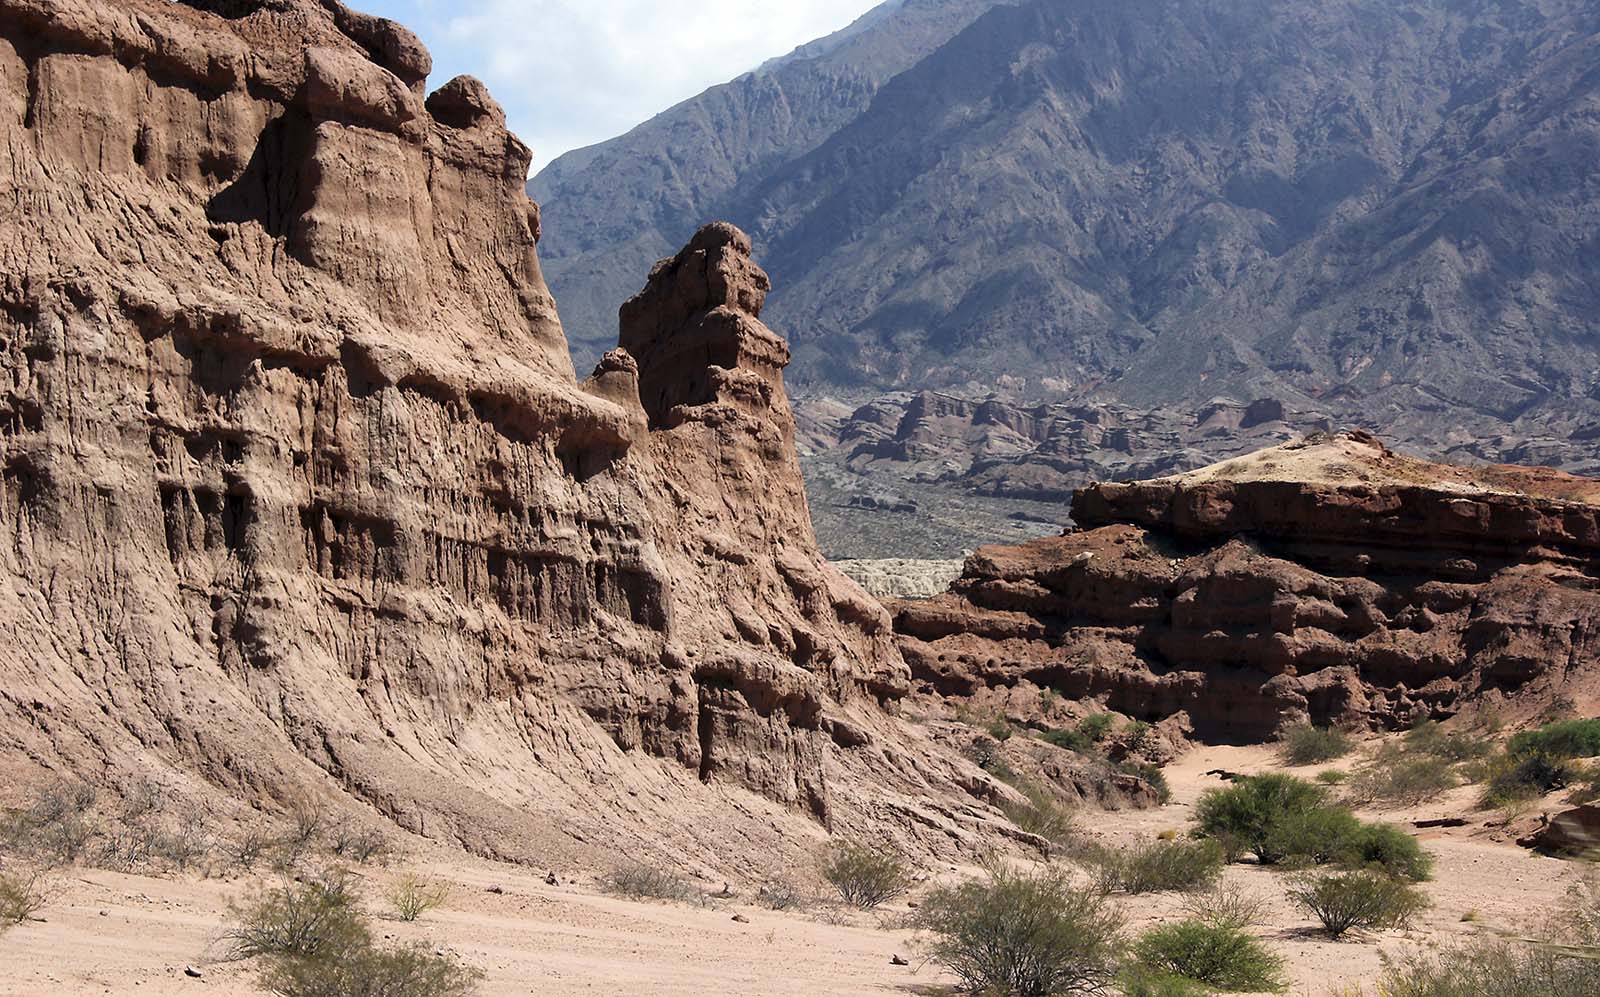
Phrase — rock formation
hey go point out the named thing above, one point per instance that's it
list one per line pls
(1325, 580)
(301, 494)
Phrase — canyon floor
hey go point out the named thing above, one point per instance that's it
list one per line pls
(106, 933)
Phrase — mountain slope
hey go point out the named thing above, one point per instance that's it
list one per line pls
(1381, 209)
(622, 205)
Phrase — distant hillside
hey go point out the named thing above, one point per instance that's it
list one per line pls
(1384, 211)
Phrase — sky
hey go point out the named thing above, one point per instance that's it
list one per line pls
(574, 72)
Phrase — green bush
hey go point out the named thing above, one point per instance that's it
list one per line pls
(1567, 739)
(1333, 777)
(1512, 778)
(1217, 956)
(1096, 726)
(1158, 865)
(1069, 740)
(1363, 899)
(1309, 745)
(1390, 849)
(866, 876)
(1248, 814)
(1228, 906)
(1023, 934)
(1140, 981)
(1314, 836)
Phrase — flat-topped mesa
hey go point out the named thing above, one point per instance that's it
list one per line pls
(1325, 580)
(696, 329)
(1328, 495)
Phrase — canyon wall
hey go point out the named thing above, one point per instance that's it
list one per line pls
(301, 495)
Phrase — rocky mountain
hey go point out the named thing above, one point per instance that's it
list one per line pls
(1378, 212)
(301, 498)
(1327, 580)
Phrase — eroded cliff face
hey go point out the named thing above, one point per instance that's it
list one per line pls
(301, 494)
(1326, 580)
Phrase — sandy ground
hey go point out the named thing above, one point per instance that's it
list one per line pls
(105, 933)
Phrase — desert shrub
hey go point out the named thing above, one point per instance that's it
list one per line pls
(22, 895)
(1567, 739)
(251, 846)
(1308, 745)
(1070, 740)
(1429, 738)
(1388, 848)
(359, 844)
(1137, 735)
(299, 920)
(1096, 726)
(1158, 865)
(1217, 956)
(1312, 836)
(367, 971)
(638, 881)
(1491, 967)
(1023, 934)
(866, 876)
(1363, 899)
(412, 896)
(1512, 778)
(782, 895)
(1398, 777)
(1225, 905)
(1246, 815)
(1040, 813)
(1333, 777)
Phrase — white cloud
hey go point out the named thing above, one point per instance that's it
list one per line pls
(574, 72)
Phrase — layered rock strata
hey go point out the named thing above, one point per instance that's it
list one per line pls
(301, 495)
(1326, 580)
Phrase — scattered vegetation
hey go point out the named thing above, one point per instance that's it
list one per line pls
(314, 941)
(1560, 958)
(1217, 956)
(1566, 739)
(1333, 777)
(413, 895)
(1151, 774)
(1158, 865)
(639, 881)
(1023, 934)
(1308, 745)
(866, 876)
(1399, 776)
(1362, 899)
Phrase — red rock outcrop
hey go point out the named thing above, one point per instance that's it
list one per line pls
(300, 492)
(1326, 580)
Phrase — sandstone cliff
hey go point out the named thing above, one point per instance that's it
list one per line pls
(301, 494)
(1327, 579)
